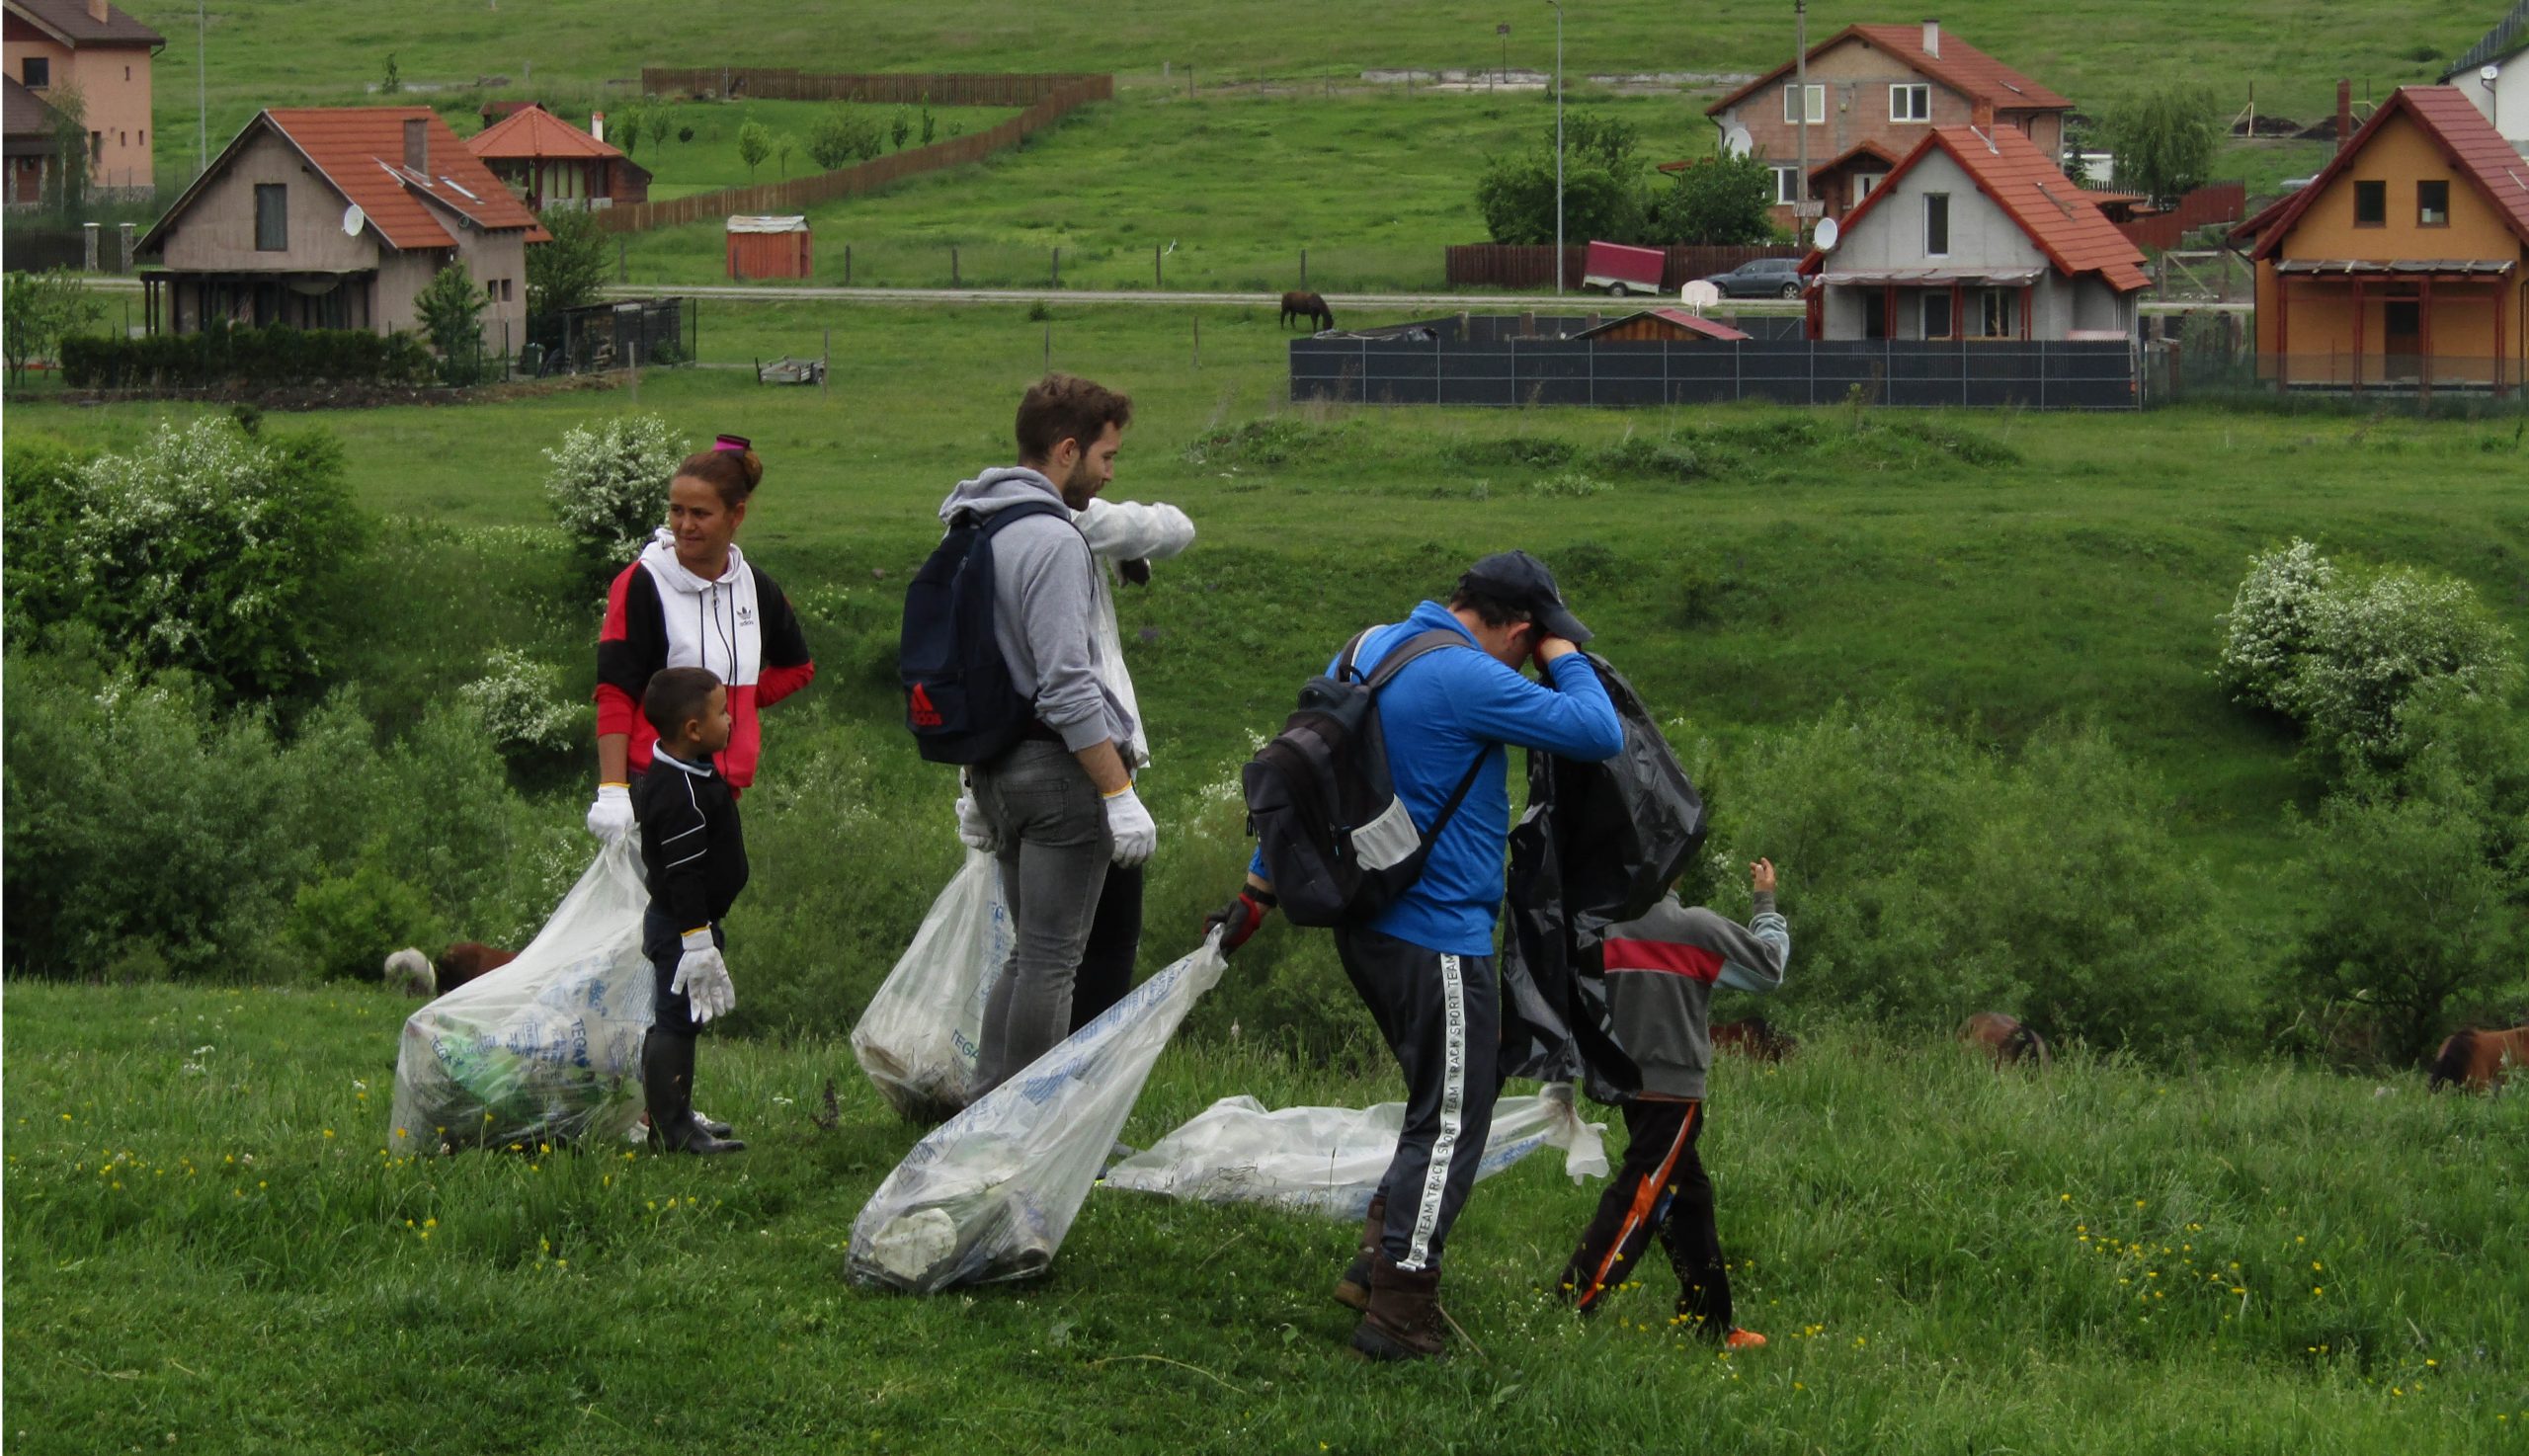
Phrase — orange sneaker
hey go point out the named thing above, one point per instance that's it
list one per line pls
(1743, 1340)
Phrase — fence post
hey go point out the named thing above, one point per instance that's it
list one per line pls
(1049, 346)
(2041, 374)
(88, 237)
(623, 268)
(1058, 268)
(824, 366)
(847, 265)
(1157, 276)
(1303, 270)
(1199, 341)
(952, 265)
(128, 241)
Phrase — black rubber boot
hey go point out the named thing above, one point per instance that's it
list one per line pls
(666, 1081)
(1352, 1291)
(1403, 1322)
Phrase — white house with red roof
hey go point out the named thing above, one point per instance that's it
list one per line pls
(337, 217)
(1975, 235)
(551, 163)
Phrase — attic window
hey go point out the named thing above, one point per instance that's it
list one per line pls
(2433, 204)
(2370, 203)
(35, 71)
(1936, 224)
(272, 218)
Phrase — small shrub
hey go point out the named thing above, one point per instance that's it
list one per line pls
(525, 707)
(1537, 454)
(451, 310)
(345, 925)
(2380, 641)
(2269, 627)
(1665, 459)
(1273, 440)
(609, 485)
(1568, 484)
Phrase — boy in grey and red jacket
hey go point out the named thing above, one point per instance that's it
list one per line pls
(1661, 971)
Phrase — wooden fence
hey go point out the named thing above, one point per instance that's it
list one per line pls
(886, 88)
(2214, 203)
(1060, 96)
(1526, 266)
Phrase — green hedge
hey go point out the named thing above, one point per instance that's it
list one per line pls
(251, 357)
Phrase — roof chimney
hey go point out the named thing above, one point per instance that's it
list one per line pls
(99, 11)
(2344, 114)
(1982, 116)
(417, 145)
(597, 125)
(1931, 38)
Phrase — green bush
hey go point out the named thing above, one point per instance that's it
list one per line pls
(347, 924)
(222, 356)
(609, 485)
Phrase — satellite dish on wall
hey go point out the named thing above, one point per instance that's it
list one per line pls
(2488, 72)
(1700, 294)
(1735, 141)
(354, 220)
(1826, 234)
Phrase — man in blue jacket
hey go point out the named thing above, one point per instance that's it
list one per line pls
(1425, 966)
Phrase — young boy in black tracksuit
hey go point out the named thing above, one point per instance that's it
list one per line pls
(1660, 970)
(695, 858)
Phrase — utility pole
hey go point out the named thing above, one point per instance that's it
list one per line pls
(1557, 146)
(1800, 109)
(201, 86)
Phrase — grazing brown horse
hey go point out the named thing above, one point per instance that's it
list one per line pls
(2008, 1038)
(2481, 1059)
(1755, 1037)
(1296, 304)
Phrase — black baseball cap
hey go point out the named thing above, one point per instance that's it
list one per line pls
(1521, 580)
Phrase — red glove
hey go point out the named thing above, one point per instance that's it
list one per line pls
(1239, 918)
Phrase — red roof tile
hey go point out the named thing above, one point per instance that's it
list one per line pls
(70, 21)
(2027, 186)
(27, 114)
(534, 131)
(1960, 66)
(2500, 174)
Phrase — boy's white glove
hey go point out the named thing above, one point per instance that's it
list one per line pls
(1136, 835)
(702, 977)
(973, 827)
(610, 817)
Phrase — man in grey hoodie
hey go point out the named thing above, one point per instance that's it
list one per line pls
(1060, 804)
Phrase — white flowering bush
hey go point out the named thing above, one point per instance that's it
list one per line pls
(609, 485)
(2270, 622)
(524, 707)
(210, 550)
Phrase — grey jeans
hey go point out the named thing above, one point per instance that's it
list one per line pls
(1055, 848)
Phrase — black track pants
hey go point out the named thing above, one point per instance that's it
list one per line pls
(1442, 1015)
(1115, 940)
(1661, 1188)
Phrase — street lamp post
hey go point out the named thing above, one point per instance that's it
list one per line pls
(1557, 146)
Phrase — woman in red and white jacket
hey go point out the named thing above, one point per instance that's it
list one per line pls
(694, 601)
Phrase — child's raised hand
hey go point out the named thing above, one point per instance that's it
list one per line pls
(1760, 876)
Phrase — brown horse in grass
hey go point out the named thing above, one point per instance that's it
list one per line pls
(1296, 304)
(2008, 1040)
(412, 973)
(1755, 1037)
(2481, 1059)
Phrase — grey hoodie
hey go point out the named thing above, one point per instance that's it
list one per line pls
(1660, 973)
(1044, 601)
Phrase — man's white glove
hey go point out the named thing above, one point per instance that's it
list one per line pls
(1136, 835)
(972, 827)
(702, 977)
(610, 817)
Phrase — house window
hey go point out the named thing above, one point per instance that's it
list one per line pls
(1999, 313)
(2370, 205)
(1910, 102)
(36, 72)
(2433, 204)
(272, 218)
(1935, 315)
(1786, 185)
(1936, 226)
(1863, 183)
(126, 73)
(1817, 106)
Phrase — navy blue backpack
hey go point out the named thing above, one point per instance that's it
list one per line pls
(960, 701)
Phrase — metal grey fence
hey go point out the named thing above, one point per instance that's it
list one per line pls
(1436, 369)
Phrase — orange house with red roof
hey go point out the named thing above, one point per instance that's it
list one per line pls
(2400, 266)
(1874, 92)
(1977, 234)
(336, 217)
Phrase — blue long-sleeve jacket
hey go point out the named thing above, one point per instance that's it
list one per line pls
(1444, 708)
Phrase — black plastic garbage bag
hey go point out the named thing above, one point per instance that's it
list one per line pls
(1600, 844)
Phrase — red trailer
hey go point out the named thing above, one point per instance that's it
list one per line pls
(769, 247)
(1622, 270)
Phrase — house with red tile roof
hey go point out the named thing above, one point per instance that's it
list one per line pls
(2399, 264)
(336, 217)
(550, 163)
(1976, 235)
(100, 52)
(1874, 91)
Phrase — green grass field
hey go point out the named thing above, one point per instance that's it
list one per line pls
(209, 1250)
(710, 161)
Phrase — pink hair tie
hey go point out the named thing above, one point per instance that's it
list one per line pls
(736, 442)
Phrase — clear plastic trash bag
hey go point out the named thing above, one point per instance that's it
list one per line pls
(548, 1047)
(990, 1195)
(920, 1034)
(1328, 1159)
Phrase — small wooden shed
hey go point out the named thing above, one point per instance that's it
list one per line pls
(769, 247)
(1656, 325)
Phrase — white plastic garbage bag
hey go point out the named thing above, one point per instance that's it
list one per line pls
(1328, 1159)
(548, 1047)
(990, 1194)
(919, 1036)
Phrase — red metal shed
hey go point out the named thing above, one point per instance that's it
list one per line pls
(769, 247)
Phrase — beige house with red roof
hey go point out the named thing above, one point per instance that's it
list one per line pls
(336, 217)
(1976, 235)
(53, 48)
(550, 163)
(2399, 264)
(1874, 91)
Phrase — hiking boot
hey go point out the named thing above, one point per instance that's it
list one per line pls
(1403, 1322)
(1352, 1291)
(711, 1124)
(667, 1081)
(1743, 1340)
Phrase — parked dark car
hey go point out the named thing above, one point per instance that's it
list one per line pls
(1762, 278)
